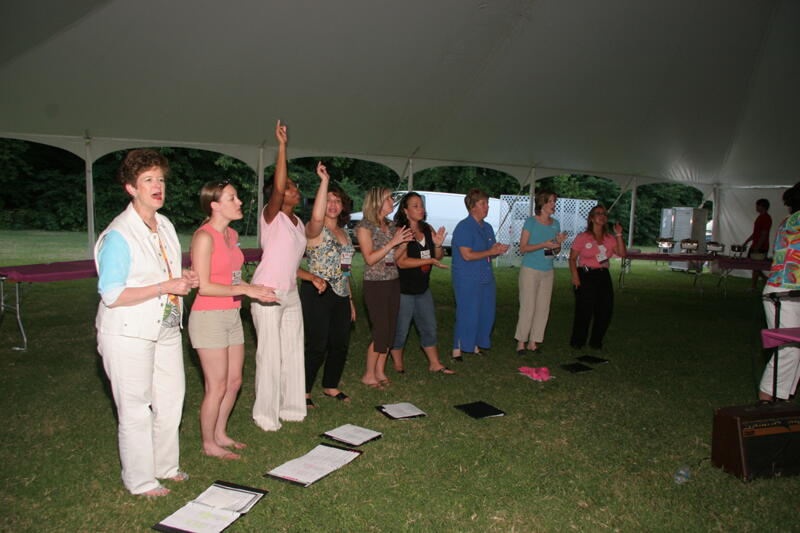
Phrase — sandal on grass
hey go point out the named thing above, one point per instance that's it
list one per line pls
(444, 370)
(310, 403)
(157, 492)
(342, 397)
(180, 476)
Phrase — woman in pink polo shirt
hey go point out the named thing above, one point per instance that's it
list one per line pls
(280, 369)
(594, 293)
(215, 327)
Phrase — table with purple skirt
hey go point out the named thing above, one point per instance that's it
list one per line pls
(726, 264)
(62, 271)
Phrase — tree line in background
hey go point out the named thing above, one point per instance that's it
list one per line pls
(44, 188)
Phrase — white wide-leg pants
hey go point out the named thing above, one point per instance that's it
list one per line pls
(788, 356)
(280, 363)
(148, 385)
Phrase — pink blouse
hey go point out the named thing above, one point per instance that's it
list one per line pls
(283, 245)
(593, 254)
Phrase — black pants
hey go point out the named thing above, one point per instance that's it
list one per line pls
(326, 320)
(594, 301)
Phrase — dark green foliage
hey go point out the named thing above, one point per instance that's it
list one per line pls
(44, 188)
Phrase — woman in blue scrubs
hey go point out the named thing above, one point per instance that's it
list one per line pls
(474, 246)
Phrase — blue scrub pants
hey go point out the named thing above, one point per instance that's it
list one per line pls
(475, 310)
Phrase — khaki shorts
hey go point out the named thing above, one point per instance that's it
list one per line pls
(215, 329)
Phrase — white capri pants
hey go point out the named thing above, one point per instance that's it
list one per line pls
(788, 356)
(280, 361)
(148, 384)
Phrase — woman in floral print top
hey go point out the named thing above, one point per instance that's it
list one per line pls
(783, 276)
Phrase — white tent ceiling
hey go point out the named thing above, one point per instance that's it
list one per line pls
(700, 92)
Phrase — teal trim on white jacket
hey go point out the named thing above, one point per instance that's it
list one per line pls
(147, 268)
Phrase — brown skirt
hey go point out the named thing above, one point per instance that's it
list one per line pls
(383, 302)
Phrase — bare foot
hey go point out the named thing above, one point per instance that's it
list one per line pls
(180, 476)
(532, 346)
(220, 452)
(375, 385)
(156, 492)
(227, 442)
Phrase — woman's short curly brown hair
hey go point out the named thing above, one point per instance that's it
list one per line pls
(138, 161)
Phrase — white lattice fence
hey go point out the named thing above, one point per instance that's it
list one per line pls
(570, 212)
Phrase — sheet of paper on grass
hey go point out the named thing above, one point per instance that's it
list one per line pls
(314, 465)
(401, 410)
(480, 410)
(352, 435)
(216, 508)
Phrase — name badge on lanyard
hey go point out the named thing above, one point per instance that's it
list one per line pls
(236, 278)
(389, 259)
(345, 262)
(601, 254)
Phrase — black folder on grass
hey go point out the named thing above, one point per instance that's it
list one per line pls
(577, 368)
(480, 410)
(592, 360)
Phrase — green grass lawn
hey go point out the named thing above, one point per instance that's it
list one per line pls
(589, 452)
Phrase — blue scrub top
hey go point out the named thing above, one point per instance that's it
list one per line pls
(479, 237)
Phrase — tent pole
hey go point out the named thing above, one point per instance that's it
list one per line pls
(89, 194)
(633, 213)
(260, 174)
(531, 191)
(715, 213)
(410, 175)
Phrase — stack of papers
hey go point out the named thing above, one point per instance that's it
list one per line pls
(314, 465)
(214, 510)
(352, 435)
(401, 410)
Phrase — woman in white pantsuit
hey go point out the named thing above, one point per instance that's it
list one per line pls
(138, 259)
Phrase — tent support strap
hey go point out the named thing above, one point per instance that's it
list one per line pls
(89, 195)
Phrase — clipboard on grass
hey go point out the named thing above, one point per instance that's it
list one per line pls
(480, 410)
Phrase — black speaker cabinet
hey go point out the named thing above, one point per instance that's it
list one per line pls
(757, 441)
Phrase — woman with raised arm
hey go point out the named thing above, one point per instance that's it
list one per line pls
(594, 292)
(328, 314)
(215, 327)
(280, 372)
(138, 259)
(378, 238)
(540, 241)
(415, 260)
(474, 246)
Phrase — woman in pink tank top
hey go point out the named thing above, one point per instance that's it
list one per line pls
(215, 327)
